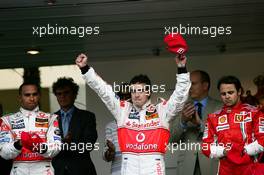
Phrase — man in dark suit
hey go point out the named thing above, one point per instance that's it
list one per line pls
(78, 130)
(187, 128)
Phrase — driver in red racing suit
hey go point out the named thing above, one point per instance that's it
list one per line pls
(143, 128)
(234, 134)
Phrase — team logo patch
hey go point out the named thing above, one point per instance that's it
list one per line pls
(4, 127)
(222, 127)
(261, 129)
(42, 115)
(134, 114)
(151, 109)
(239, 118)
(56, 138)
(41, 125)
(151, 113)
(222, 120)
(4, 140)
(261, 121)
(248, 117)
(17, 125)
(122, 103)
(41, 122)
(57, 132)
(205, 134)
(56, 123)
(3, 134)
(152, 116)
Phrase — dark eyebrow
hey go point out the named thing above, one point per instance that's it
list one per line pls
(29, 94)
(228, 92)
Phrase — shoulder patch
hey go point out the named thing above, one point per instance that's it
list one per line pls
(122, 103)
(222, 120)
(43, 115)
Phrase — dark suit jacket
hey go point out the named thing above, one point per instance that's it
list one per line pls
(83, 131)
(186, 159)
(6, 166)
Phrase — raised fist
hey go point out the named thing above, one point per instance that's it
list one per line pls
(81, 60)
(181, 60)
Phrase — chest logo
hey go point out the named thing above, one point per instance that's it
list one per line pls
(140, 137)
(133, 114)
(222, 120)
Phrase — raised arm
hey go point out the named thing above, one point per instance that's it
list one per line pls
(179, 96)
(95, 82)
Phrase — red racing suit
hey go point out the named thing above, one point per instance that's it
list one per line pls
(27, 162)
(142, 133)
(239, 130)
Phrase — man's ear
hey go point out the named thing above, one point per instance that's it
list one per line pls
(239, 92)
(19, 98)
(205, 85)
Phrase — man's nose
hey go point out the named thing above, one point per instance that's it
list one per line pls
(137, 94)
(31, 97)
(227, 96)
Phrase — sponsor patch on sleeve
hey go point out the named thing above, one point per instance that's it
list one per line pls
(57, 132)
(56, 138)
(4, 140)
(261, 129)
(222, 127)
(205, 134)
(56, 123)
(261, 121)
(122, 103)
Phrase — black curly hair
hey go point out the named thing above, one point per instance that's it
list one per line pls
(65, 82)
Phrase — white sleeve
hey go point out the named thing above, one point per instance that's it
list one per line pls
(7, 139)
(217, 151)
(179, 96)
(53, 138)
(253, 148)
(104, 91)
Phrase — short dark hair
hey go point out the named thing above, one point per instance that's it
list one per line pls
(230, 80)
(140, 79)
(65, 82)
(26, 83)
(1, 110)
(204, 77)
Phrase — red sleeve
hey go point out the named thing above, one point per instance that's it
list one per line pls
(258, 126)
(208, 136)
